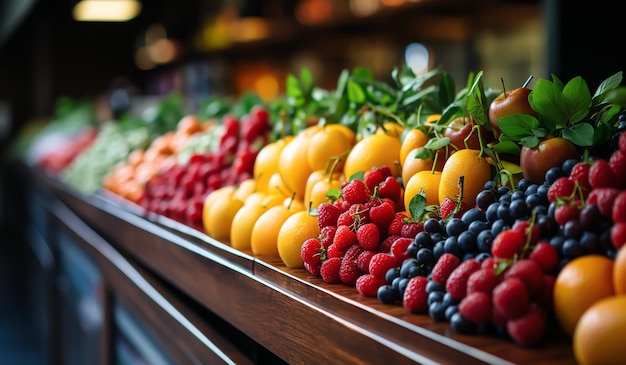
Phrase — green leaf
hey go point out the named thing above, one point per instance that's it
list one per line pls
(342, 82)
(507, 147)
(530, 141)
(447, 89)
(547, 99)
(357, 176)
(616, 96)
(609, 83)
(602, 134)
(418, 204)
(355, 93)
(333, 194)
(577, 98)
(306, 81)
(294, 93)
(362, 72)
(518, 126)
(580, 134)
(437, 143)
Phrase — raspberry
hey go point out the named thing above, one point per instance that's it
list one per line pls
(545, 298)
(476, 307)
(334, 251)
(399, 248)
(364, 260)
(353, 252)
(456, 284)
(368, 284)
(565, 213)
(444, 267)
(601, 175)
(411, 229)
(483, 280)
(327, 215)
(529, 329)
(344, 237)
(345, 219)
(327, 235)
(355, 192)
(449, 205)
(524, 227)
(329, 271)
(618, 213)
(530, 273)
(415, 299)
(382, 215)
(618, 235)
(385, 245)
(621, 142)
(604, 199)
(563, 187)
(390, 188)
(380, 263)
(368, 236)
(546, 256)
(395, 227)
(510, 298)
(580, 174)
(311, 251)
(372, 178)
(617, 162)
(507, 244)
(313, 269)
(349, 271)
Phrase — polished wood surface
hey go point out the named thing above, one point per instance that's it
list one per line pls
(292, 314)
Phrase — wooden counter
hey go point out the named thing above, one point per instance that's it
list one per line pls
(288, 312)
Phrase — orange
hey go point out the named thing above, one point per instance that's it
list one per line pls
(373, 151)
(392, 129)
(314, 178)
(299, 227)
(428, 181)
(600, 334)
(475, 169)
(326, 146)
(245, 188)
(243, 222)
(276, 185)
(619, 272)
(220, 220)
(265, 230)
(319, 191)
(580, 283)
(414, 138)
(349, 133)
(293, 163)
(413, 165)
(266, 162)
(208, 203)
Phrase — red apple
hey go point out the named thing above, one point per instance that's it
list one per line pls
(550, 152)
(507, 103)
(461, 128)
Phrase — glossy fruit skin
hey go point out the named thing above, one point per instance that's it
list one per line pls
(463, 127)
(550, 152)
(515, 102)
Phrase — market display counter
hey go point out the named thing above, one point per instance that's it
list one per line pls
(200, 301)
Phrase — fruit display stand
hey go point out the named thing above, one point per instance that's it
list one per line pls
(187, 288)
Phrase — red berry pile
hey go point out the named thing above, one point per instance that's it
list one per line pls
(179, 191)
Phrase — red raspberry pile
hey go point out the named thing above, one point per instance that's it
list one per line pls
(362, 234)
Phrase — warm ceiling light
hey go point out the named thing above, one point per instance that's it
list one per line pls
(106, 10)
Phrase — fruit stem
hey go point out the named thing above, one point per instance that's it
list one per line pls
(503, 87)
(528, 81)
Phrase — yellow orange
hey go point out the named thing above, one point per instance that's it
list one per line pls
(314, 178)
(319, 191)
(293, 163)
(428, 181)
(392, 129)
(265, 231)
(277, 185)
(245, 188)
(619, 272)
(243, 222)
(266, 162)
(475, 169)
(208, 204)
(347, 131)
(220, 220)
(413, 165)
(299, 227)
(373, 151)
(600, 332)
(414, 138)
(326, 146)
(581, 283)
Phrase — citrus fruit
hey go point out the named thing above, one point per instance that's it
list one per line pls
(299, 227)
(392, 129)
(349, 133)
(265, 230)
(475, 169)
(428, 181)
(413, 165)
(580, 283)
(619, 272)
(245, 188)
(208, 203)
(220, 220)
(326, 146)
(293, 163)
(373, 151)
(266, 162)
(243, 221)
(414, 138)
(277, 185)
(319, 191)
(600, 333)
